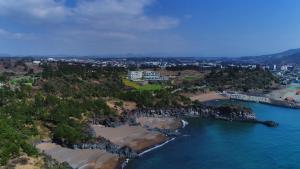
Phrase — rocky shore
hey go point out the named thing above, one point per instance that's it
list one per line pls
(125, 136)
(104, 144)
(227, 113)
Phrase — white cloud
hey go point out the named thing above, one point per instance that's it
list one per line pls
(94, 14)
(11, 35)
(33, 9)
(97, 21)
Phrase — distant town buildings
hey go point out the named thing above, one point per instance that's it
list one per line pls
(287, 73)
(36, 62)
(284, 68)
(274, 67)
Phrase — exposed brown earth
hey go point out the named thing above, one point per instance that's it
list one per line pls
(203, 97)
(136, 137)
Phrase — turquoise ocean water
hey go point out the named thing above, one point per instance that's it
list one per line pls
(209, 144)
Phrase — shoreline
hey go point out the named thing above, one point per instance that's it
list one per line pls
(143, 140)
(145, 151)
(152, 148)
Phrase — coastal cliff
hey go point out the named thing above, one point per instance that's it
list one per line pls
(227, 113)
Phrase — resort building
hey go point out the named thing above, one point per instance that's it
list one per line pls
(151, 75)
(146, 75)
(135, 75)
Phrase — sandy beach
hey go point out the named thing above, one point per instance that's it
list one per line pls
(204, 97)
(79, 158)
(136, 137)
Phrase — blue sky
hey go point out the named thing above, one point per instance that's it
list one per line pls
(173, 27)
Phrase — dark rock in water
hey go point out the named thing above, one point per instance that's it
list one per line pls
(127, 152)
(270, 123)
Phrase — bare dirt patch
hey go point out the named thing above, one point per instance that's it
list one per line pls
(203, 97)
(136, 137)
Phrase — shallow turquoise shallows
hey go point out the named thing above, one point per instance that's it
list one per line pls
(232, 145)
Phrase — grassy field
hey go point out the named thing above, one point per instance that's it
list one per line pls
(191, 78)
(27, 80)
(136, 86)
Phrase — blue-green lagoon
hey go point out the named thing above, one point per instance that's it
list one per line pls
(207, 144)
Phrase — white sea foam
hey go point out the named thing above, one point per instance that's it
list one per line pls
(153, 148)
(125, 163)
(184, 123)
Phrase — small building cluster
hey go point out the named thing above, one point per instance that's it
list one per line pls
(146, 75)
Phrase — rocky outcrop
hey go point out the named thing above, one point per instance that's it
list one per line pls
(227, 113)
(269, 123)
(50, 163)
(114, 121)
(104, 144)
(230, 113)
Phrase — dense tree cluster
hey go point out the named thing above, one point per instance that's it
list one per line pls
(239, 79)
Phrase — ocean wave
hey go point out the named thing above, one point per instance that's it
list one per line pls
(153, 148)
(184, 123)
(124, 164)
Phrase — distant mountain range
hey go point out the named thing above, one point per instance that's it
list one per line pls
(287, 57)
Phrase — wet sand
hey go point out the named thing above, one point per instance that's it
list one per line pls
(136, 137)
(80, 158)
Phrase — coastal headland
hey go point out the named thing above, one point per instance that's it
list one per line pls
(121, 140)
(114, 112)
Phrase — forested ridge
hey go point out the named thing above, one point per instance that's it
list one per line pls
(61, 101)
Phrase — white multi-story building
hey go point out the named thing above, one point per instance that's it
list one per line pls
(151, 75)
(146, 75)
(135, 75)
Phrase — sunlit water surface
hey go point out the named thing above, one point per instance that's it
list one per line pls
(231, 145)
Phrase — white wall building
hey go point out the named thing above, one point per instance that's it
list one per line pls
(151, 75)
(135, 75)
(146, 75)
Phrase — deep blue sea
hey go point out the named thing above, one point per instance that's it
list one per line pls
(209, 144)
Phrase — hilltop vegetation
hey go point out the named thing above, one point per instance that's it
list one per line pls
(239, 79)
